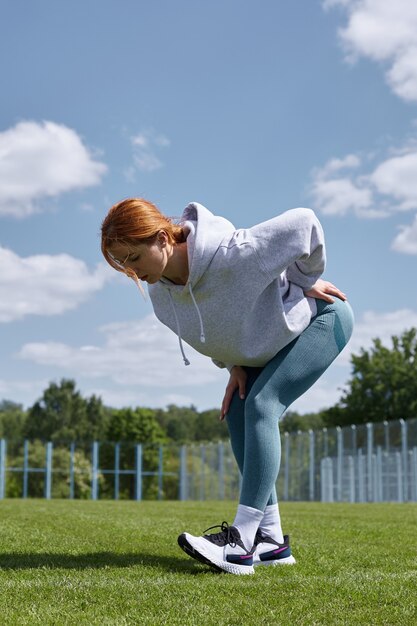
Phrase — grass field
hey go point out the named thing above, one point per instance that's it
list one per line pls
(85, 562)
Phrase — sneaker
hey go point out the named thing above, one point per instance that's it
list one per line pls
(223, 550)
(270, 552)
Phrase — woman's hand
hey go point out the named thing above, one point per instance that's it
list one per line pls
(323, 290)
(237, 380)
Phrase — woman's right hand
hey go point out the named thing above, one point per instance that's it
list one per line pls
(237, 380)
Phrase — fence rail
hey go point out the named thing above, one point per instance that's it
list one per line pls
(375, 462)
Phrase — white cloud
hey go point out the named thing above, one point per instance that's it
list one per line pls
(391, 186)
(406, 240)
(145, 146)
(339, 196)
(384, 31)
(22, 390)
(119, 397)
(335, 165)
(143, 353)
(41, 160)
(324, 393)
(45, 284)
(146, 161)
(329, 4)
(397, 177)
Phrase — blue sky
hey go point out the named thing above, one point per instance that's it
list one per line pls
(250, 108)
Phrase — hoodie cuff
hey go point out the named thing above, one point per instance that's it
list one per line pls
(297, 277)
(222, 365)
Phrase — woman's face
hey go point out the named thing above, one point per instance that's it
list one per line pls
(147, 260)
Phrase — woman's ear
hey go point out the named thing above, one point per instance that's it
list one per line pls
(162, 238)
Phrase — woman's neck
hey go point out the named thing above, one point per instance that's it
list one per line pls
(176, 270)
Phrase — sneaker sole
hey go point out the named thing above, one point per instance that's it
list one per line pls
(220, 566)
(289, 560)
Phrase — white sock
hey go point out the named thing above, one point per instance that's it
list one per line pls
(271, 523)
(247, 522)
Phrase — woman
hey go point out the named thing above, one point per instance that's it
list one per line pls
(252, 300)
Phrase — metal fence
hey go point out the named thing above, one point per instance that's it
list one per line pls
(367, 463)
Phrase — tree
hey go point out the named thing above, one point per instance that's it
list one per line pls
(293, 422)
(178, 422)
(62, 414)
(209, 427)
(383, 385)
(12, 420)
(98, 417)
(135, 426)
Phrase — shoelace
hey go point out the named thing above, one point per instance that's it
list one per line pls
(259, 537)
(219, 537)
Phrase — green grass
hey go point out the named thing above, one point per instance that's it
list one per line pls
(118, 563)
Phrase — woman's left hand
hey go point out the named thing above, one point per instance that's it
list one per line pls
(323, 290)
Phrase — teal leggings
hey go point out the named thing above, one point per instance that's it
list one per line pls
(253, 422)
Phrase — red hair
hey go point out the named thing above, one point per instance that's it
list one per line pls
(133, 221)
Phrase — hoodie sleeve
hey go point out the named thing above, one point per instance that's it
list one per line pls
(292, 242)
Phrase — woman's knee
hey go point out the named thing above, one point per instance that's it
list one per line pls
(263, 406)
(342, 325)
(344, 322)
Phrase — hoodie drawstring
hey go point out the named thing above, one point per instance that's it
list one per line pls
(186, 361)
(202, 335)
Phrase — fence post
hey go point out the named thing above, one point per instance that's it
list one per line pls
(160, 471)
(220, 451)
(351, 470)
(3, 448)
(193, 473)
(411, 476)
(312, 464)
(404, 445)
(375, 478)
(379, 481)
(299, 470)
(287, 465)
(386, 435)
(183, 473)
(25, 468)
(202, 470)
(414, 474)
(400, 493)
(138, 472)
(326, 470)
(94, 471)
(339, 463)
(71, 485)
(354, 439)
(323, 485)
(116, 470)
(48, 470)
(369, 450)
(361, 477)
(326, 443)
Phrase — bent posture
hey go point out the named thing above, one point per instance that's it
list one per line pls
(252, 300)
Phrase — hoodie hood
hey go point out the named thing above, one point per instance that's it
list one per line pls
(205, 234)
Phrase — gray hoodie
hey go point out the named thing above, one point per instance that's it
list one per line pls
(244, 299)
